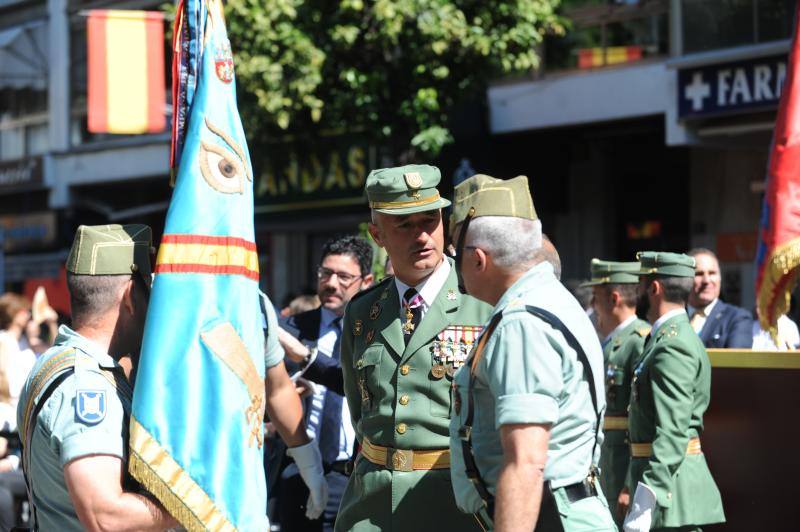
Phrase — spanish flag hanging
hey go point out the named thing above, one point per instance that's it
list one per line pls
(126, 89)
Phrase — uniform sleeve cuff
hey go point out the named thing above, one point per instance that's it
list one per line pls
(525, 409)
(88, 443)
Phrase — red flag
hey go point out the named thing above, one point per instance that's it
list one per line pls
(778, 254)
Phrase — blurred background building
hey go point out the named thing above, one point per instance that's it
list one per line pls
(647, 125)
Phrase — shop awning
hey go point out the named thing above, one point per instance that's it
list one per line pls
(23, 56)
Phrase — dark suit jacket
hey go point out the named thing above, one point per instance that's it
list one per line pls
(324, 370)
(728, 326)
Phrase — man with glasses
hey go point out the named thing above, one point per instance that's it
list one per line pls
(312, 340)
(402, 341)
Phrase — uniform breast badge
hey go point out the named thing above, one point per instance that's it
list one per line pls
(375, 311)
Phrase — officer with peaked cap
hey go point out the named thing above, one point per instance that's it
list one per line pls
(525, 432)
(668, 474)
(402, 340)
(614, 300)
(74, 408)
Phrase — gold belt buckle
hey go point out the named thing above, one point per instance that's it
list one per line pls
(401, 460)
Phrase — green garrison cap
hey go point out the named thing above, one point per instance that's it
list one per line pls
(609, 272)
(405, 189)
(490, 196)
(663, 263)
(111, 250)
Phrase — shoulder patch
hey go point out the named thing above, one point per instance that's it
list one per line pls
(643, 331)
(90, 406)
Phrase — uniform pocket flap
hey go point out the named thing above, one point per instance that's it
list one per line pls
(370, 357)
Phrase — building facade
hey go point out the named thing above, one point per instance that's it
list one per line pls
(661, 112)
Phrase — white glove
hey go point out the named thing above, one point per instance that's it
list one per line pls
(309, 462)
(640, 517)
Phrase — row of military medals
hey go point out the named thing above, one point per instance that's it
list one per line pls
(449, 351)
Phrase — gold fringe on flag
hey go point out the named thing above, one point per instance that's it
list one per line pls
(161, 475)
(777, 283)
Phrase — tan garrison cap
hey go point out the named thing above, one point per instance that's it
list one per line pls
(663, 263)
(111, 250)
(609, 272)
(405, 189)
(490, 196)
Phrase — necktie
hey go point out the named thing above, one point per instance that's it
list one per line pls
(698, 319)
(331, 424)
(412, 307)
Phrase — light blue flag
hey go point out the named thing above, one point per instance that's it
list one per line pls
(198, 405)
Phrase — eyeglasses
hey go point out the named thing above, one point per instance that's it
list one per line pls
(345, 279)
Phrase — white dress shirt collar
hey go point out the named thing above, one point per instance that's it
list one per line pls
(619, 328)
(430, 287)
(660, 321)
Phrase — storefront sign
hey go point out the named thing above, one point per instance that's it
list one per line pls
(29, 231)
(20, 175)
(297, 177)
(746, 85)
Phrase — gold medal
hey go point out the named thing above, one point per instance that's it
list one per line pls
(408, 326)
(451, 370)
(438, 371)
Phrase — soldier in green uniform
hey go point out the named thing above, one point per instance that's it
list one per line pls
(525, 432)
(614, 285)
(74, 409)
(673, 488)
(402, 340)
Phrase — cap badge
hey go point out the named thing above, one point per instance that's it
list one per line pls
(413, 179)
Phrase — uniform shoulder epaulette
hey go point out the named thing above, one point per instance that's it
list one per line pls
(643, 331)
(381, 285)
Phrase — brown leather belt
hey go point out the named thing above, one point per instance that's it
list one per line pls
(615, 423)
(645, 450)
(405, 459)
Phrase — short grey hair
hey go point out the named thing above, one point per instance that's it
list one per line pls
(91, 296)
(513, 243)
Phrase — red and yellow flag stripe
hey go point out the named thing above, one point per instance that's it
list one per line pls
(126, 88)
(223, 255)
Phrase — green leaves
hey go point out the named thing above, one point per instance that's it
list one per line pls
(392, 68)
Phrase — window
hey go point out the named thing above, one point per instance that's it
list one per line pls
(713, 24)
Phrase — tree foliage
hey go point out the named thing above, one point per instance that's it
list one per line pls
(393, 69)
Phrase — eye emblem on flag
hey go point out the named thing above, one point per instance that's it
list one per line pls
(224, 170)
(223, 62)
(90, 406)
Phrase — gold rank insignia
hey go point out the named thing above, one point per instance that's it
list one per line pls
(370, 336)
(375, 311)
(357, 327)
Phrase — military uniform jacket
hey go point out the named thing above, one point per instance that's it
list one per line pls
(87, 414)
(621, 354)
(399, 397)
(670, 393)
